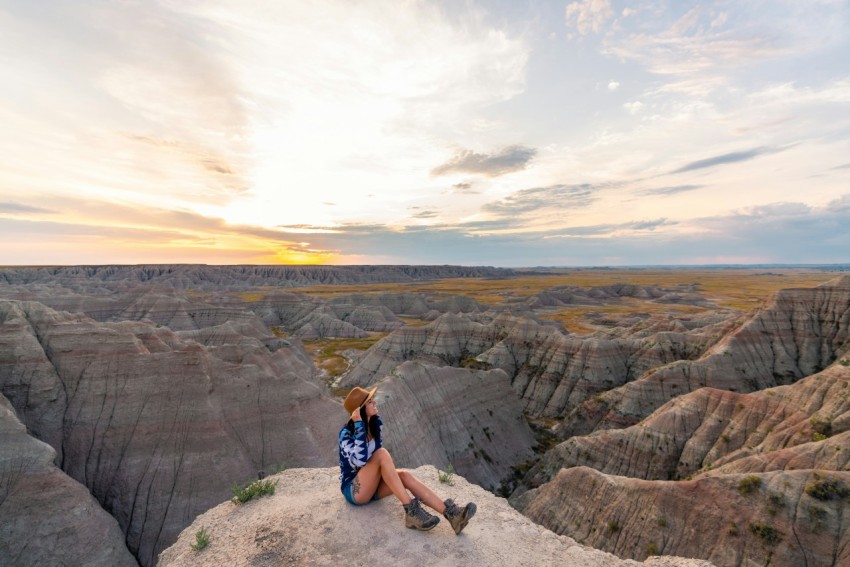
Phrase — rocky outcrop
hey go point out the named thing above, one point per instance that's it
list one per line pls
(412, 304)
(470, 419)
(156, 426)
(151, 303)
(774, 520)
(561, 296)
(715, 428)
(310, 318)
(49, 518)
(800, 332)
(307, 522)
(550, 371)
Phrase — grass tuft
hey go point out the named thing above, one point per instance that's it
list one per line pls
(828, 489)
(447, 476)
(242, 494)
(768, 534)
(748, 484)
(202, 539)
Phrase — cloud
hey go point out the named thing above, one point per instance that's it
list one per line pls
(613, 86)
(671, 190)
(506, 160)
(633, 107)
(464, 188)
(552, 197)
(608, 229)
(588, 15)
(10, 207)
(724, 159)
(845, 166)
(425, 214)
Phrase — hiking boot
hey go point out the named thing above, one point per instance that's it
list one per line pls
(417, 518)
(458, 517)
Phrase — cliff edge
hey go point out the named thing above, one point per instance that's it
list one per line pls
(307, 522)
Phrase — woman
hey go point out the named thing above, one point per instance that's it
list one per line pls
(367, 471)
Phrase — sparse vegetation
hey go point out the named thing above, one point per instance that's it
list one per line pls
(748, 484)
(775, 502)
(817, 516)
(613, 526)
(662, 523)
(733, 529)
(828, 489)
(844, 362)
(447, 476)
(202, 539)
(821, 428)
(651, 549)
(242, 494)
(768, 534)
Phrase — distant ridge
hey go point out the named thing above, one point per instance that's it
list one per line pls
(182, 276)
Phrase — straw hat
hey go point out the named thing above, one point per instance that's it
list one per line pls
(356, 398)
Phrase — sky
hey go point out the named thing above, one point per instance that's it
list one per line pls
(507, 133)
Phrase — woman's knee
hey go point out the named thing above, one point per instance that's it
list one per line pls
(383, 455)
(404, 476)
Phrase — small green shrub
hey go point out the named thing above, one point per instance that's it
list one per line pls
(724, 438)
(652, 549)
(202, 539)
(844, 362)
(662, 523)
(242, 494)
(768, 534)
(447, 476)
(821, 427)
(776, 501)
(818, 436)
(817, 516)
(733, 529)
(828, 489)
(748, 484)
(613, 526)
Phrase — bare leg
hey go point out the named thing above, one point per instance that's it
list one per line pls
(380, 468)
(425, 494)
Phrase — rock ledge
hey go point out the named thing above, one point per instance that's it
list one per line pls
(307, 522)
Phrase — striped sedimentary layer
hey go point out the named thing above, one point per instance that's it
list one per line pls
(799, 332)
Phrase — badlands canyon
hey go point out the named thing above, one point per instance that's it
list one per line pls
(699, 414)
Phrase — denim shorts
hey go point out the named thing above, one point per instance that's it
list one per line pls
(346, 491)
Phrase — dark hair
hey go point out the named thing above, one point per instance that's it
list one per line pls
(372, 424)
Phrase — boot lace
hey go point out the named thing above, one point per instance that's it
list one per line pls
(419, 513)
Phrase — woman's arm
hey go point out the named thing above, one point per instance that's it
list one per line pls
(355, 447)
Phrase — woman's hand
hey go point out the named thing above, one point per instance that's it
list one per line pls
(355, 415)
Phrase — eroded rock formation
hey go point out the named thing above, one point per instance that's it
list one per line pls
(47, 517)
(550, 371)
(775, 522)
(799, 332)
(469, 418)
(712, 428)
(157, 426)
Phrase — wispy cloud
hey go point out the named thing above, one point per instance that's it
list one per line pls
(609, 229)
(10, 207)
(426, 214)
(588, 15)
(464, 188)
(560, 197)
(506, 160)
(670, 190)
(732, 157)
